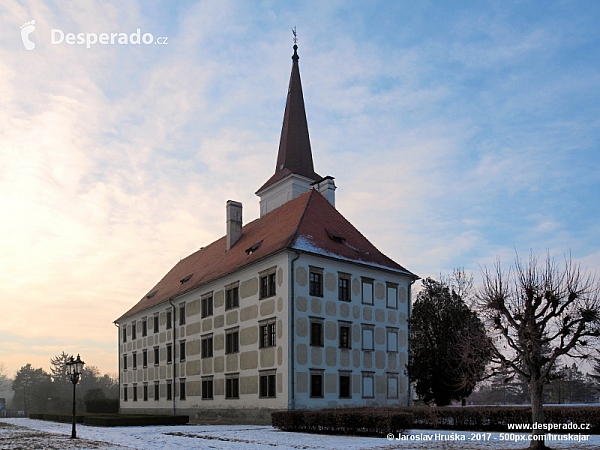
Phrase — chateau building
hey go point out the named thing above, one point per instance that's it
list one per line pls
(294, 310)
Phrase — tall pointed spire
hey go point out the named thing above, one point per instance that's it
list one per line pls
(294, 146)
(294, 172)
(295, 155)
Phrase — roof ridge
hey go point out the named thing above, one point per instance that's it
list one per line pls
(295, 235)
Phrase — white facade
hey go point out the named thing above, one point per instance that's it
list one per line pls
(376, 316)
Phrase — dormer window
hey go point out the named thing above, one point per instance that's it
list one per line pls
(335, 237)
(252, 249)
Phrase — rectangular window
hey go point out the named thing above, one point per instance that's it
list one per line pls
(169, 319)
(344, 287)
(267, 284)
(135, 392)
(156, 356)
(232, 341)
(207, 388)
(144, 327)
(345, 385)
(124, 333)
(155, 323)
(145, 392)
(182, 314)
(367, 337)
(367, 291)
(156, 390)
(124, 392)
(232, 386)
(124, 363)
(345, 339)
(392, 296)
(267, 384)
(182, 389)
(145, 358)
(134, 360)
(267, 333)
(133, 331)
(206, 306)
(169, 390)
(392, 339)
(316, 332)
(207, 346)
(392, 385)
(368, 384)
(316, 383)
(316, 282)
(181, 351)
(232, 297)
(169, 353)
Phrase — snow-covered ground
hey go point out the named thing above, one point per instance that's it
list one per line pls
(37, 434)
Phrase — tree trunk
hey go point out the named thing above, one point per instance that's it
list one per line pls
(537, 412)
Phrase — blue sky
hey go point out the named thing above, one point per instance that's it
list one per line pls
(457, 132)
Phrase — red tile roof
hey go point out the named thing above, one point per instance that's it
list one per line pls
(307, 223)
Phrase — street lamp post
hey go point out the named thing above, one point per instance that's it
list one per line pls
(74, 368)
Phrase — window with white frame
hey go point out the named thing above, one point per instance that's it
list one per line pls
(344, 287)
(207, 346)
(392, 385)
(345, 335)
(368, 384)
(392, 339)
(392, 295)
(345, 380)
(315, 280)
(181, 351)
(232, 297)
(182, 314)
(232, 385)
(169, 390)
(316, 332)
(316, 383)
(367, 337)
(267, 333)
(267, 284)
(367, 291)
(206, 303)
(182, 389)
(267, 384)
(232, 341)
(207, 388)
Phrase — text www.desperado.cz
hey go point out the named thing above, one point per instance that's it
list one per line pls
(548, 426)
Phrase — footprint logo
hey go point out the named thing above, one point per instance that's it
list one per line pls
(26, 30)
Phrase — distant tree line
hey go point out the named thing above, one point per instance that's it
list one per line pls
(38, 391)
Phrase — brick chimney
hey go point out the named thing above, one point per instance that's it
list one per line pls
(234, 222)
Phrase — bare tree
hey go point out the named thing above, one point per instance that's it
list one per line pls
(539, 313)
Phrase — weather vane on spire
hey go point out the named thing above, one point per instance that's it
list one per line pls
(295, 35)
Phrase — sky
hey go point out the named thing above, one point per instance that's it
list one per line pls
(457, 133)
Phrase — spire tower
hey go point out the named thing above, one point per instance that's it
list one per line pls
(294, 170)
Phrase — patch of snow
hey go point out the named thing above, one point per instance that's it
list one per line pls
(53, 435)
(305, 245)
